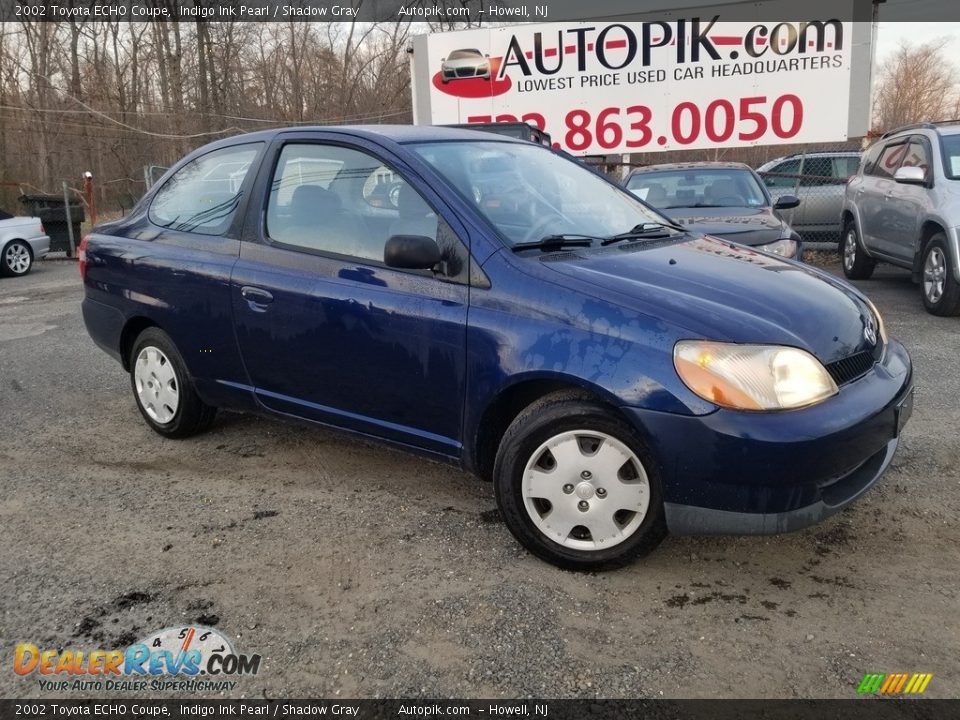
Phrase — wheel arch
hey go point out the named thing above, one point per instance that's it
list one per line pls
(515, 397)
(6, 243)
(846, 217)
(131, 330)
(929, 228)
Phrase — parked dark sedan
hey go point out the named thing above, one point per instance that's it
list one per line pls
(726, 200)
(516, 314)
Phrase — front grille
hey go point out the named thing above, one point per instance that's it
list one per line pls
(852, 367)
(466, 72)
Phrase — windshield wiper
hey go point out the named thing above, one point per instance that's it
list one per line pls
(643, 230)
(697, 205)
(557, 242)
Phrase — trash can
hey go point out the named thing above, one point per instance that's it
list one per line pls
(50, 209)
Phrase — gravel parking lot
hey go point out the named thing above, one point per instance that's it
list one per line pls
(358, 571)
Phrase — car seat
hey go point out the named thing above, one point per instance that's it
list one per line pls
(316, 220)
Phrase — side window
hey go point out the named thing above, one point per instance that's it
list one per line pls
(870, 158)
(844, 167)
(917, 156)
(343, 201)
(382, 188)
(202, 196)
(817, 171)
(783, 175)
(889, 160)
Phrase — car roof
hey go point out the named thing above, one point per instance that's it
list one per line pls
(690, 166)
(396, 133)
(819, 153)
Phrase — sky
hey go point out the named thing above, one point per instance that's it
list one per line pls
(890, 34)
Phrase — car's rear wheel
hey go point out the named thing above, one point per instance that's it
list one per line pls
(941, 292)
(165, 393)
(577, 486)
(857, 265)
(16, 259)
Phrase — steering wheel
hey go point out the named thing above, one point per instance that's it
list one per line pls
(539, 229)
(731, 200)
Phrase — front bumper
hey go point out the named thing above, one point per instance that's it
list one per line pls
(743, 473)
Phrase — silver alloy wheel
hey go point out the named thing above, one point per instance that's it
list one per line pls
(586, 490)
(850, 250)
(934, 275)
(17, 258)
(158, 389)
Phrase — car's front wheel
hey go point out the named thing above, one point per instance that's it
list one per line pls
(16, 259)
(577, 486)
(857, 265)
(941, 292)
(164, 390)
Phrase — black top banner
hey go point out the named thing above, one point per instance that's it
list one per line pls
(451, 13)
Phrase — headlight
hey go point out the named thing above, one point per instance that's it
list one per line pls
(752, 377)
(881, 327)
(784, 248)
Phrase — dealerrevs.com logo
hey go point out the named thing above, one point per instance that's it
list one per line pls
(186, 658)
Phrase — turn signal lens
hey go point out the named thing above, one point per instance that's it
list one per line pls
(784, 248)
(752, 377)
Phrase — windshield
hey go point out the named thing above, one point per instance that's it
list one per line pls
(951, 156)
(528, 192)
(719, 187)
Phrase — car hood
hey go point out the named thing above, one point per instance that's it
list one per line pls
(747, 226)
(718, 290)
(465, 62)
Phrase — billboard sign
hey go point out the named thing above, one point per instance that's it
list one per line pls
(620, 87)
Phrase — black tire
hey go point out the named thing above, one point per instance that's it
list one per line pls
(542, 421)
(857, 265)
(946, 300)
(191, 415)
(14, 254)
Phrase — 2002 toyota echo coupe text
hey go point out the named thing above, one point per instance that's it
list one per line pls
(508, 310)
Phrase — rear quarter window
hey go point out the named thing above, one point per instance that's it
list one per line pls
(202, 196)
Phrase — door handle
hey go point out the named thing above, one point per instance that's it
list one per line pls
(255, 295)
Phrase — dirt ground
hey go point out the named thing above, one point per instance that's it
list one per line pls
(358, 571)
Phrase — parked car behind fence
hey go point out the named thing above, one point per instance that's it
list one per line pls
(818, 179)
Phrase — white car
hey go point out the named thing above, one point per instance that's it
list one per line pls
(465, 63)
(22, 240)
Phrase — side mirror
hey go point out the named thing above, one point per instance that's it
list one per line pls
(786, 202)
(411, 252)
(911, 175)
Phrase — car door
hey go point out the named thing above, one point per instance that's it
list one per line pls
(908, 204)
(325, 329)
(877, 218)
(784, 179)
(819, 199)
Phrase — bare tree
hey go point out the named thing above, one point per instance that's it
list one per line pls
(917, 83)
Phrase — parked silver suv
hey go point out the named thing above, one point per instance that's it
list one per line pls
(903, 207)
